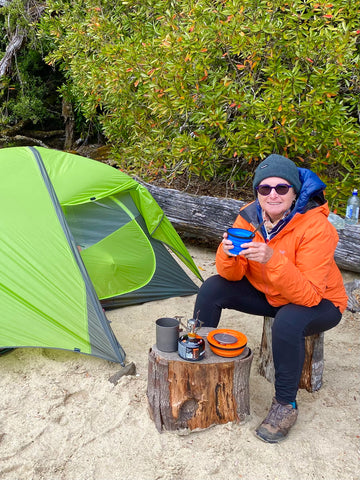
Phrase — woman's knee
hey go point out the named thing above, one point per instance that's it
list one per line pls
(297, 320)
(211, 287)
(285, 326)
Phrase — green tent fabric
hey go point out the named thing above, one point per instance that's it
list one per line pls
(76, 236)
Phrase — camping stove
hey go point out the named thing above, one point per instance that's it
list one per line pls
(190, 345)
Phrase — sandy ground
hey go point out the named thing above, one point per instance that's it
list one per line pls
(61, 418)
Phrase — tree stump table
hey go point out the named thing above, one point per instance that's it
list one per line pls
(185, 395)
(311, 376)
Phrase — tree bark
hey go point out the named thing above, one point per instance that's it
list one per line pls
(206, 218)
(14, 45)
(353, 291)
(185, 395)
(22, 140)
(312, 372)
(69, 121)
(17, 39)
(202, 217)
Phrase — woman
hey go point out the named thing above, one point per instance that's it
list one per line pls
(287, 272)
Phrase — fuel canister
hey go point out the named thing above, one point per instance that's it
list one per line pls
(190, 345)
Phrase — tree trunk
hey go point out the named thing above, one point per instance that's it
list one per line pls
(69, 121)
(186, 395)
(206, 218)
(311, 376)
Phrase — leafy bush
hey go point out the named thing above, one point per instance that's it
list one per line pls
(211, 87)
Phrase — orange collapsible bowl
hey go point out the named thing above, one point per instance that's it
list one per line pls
(227, 343)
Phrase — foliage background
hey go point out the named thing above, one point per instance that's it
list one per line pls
(28, 93)
(211, 87)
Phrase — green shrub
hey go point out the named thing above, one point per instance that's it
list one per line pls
(211, 87)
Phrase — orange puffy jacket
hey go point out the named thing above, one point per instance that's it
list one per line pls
(302, 269)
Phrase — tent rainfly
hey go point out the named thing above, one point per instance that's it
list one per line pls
(76, 236)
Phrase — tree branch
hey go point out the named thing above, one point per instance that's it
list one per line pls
(12, 48)
(17, 39)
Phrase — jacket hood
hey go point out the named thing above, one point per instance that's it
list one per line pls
(312, 189)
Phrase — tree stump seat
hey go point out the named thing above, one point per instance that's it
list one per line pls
(184, 395)
(311, 377)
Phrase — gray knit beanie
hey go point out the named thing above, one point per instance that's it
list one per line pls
(277, 166)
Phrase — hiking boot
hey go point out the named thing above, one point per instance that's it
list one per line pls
(277, 423)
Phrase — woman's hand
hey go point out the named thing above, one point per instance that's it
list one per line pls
(227, 245)
(257, 252)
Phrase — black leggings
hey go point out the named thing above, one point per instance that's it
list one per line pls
(291, 325)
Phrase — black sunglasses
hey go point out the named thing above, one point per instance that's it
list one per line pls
(280, 189)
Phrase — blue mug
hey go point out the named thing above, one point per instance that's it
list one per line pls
(238, 236)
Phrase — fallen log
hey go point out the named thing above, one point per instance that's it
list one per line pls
(206, 218)
(198, 216)
(353, 292)
(21, 140)
(347, 253)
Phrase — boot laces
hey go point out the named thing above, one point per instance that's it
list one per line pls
(277, 413)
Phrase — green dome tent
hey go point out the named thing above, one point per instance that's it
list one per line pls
(76, 236)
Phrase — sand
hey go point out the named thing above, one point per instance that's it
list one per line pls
(62, 419)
